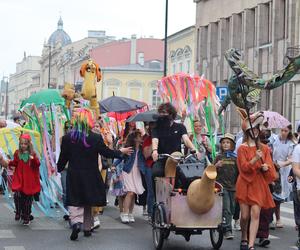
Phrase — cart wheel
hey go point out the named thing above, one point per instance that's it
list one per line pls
(167, 233)
(216, 237)
(157, 231)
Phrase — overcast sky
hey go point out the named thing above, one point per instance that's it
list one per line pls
(26, 24)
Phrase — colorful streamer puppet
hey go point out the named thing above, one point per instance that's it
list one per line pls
(244, 87)
(193, 96)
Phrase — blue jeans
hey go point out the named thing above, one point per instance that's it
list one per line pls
(150, 190)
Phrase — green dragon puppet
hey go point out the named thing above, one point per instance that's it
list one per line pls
(244, 87)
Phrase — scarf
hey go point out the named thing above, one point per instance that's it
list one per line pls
(230, 154)
(24, 157)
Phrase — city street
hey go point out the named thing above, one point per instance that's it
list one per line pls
(45, 233)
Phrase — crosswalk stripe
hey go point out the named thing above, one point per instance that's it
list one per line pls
(287, 210)
(14, 248)
(6, 234)
(272, 237)
(288, 221)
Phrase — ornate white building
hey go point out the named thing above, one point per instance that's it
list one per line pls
(65, 57)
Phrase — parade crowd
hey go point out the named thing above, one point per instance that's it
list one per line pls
(258, 169)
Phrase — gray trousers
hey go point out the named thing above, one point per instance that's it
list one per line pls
(228, 209)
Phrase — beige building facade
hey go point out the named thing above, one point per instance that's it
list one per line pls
(181, 47)
(24, 82)
(263, 30)
(131, 81)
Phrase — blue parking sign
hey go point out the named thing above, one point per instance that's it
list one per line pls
(222, 92)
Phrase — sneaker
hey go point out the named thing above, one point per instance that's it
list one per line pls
(228, 235)
(131, 218)
(279, 224)
(96, 223)
(236, 225)
(66, 217)
(272, 226)
(263, 242)
(26, 222)
(75, 231)
(124, 218)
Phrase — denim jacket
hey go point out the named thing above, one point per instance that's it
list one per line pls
(128, 162)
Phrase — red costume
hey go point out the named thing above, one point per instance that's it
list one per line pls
(26, 178)
(252, 184)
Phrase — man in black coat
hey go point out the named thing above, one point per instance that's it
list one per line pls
(85, 187)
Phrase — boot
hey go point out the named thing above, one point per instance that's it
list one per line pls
(75, 231)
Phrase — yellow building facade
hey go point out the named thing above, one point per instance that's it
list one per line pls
(181, 51)
(134, 83)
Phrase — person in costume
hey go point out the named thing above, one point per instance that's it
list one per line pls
(256, 172)
(26, 178)
(227, 173)
(201, 141)
(80, 149)
(147, 150)
(133, 167)
(296, 189)
(167, 136)
(283, 146)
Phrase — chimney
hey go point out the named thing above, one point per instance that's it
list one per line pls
(133, 50)
(141, 60)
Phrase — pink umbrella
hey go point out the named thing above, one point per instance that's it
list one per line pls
(275, 120)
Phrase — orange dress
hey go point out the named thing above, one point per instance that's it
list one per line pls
(252, 184)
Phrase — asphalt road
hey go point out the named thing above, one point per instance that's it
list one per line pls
(53, 234)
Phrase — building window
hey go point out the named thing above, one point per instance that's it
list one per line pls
(180, 67)
(174, 68)
(134, 90)
(111, 87)
(156, 100)
(188, 66)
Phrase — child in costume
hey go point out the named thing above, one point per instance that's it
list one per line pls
(227, 175)
(26, 178)
(118, 185)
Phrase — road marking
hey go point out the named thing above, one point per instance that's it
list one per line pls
(108, 222)
(6, 234)
(287, 210)
(44, 223)
(272, 237)
(287, 221)
(294, 247)
(14, 248)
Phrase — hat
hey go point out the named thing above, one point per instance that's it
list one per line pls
(256, 119)
(26, 137)
(228, 136)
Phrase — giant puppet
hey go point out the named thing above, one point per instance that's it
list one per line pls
(244, 87)
(91, 73)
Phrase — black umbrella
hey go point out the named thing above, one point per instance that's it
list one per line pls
(147, 116)
(120, 104)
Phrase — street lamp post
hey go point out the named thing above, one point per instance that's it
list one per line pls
(166, 39)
